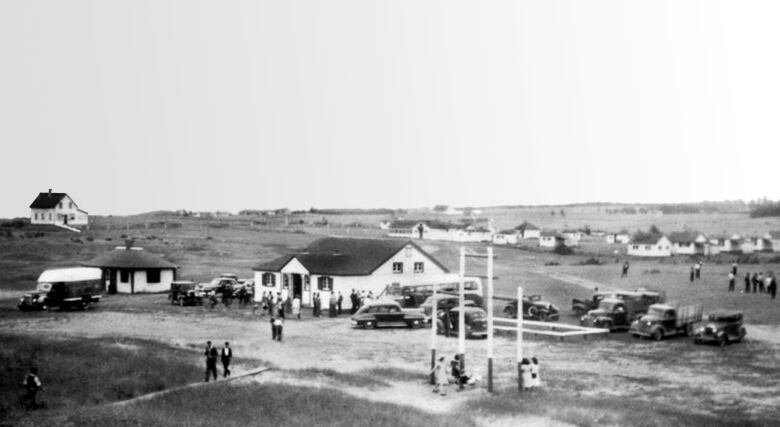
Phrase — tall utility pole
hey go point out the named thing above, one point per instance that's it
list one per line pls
(519, 339)
(490, 317)
(434, 324)
(462, 314)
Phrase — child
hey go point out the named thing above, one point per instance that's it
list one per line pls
(439, 377)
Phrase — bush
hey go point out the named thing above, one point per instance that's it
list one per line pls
(590, 261)
(90, 238)
(651, 271)
(563, 250)
(15, 223)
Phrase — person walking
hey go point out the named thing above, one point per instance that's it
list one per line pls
(439, 377)
(332, 303)
(226, 357)
(32, 385)
(692, 274)
(211, 361)
(747, 282)
(624, 273)
(278, 325)
(296, 308)
(339, 302)
(697, 267)
(732, 279)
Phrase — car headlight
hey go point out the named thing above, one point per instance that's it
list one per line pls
(21, 299)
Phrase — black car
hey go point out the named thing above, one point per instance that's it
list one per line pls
(533, 309)
(721, 327)
(475, 322)
(184, 292)
(386, 313)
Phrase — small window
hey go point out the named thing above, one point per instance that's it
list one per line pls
(269, 279)
(59, 205)
(285, 281)
(70, 205)
(153, 276)
(398, 267)
(325, 283)
(49, 216)
(124, 276)
(36, 216)
(419, 267)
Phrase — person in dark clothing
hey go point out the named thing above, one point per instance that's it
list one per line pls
(227, 356)
(692, 274)
(32, 385)
(697, 267)
(761, 282)
(747, 282)
(755, 282)
(211, 361)
(355, 300)
(278, 324)
(773, 287)
(625, 270)
(273, 329)
(339, 303)
(734, 269)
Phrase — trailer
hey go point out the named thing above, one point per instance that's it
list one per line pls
(76, 287)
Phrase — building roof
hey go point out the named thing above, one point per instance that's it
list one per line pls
(345, 256)
(647, 239)
(526, 226)
(430, 223)
(133, 258)
(684, 236)
(47, 200)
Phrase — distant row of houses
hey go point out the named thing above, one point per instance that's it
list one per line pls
(696, 243)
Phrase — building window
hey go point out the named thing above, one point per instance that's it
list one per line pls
(36, 216)
(70, 205)
(398, 267)
(153, 276)
(285, 281)
(124, 276)
(325, 283)
(72, 217)
(59, 205)
(269, 279)
(49, 216)
(418, 267)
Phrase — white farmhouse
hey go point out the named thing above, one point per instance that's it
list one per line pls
(529, 231)
(572, 237)
(131, 270)
(57, 209)
(507, 237)
(340, 265)
(689, 243)
(726, 243)
(551, 239)
(650, 246)
(621, 237)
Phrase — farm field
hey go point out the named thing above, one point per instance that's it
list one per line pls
(609, 380)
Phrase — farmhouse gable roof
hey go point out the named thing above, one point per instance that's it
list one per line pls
(134, 258)
(345, 257)
(47, 200)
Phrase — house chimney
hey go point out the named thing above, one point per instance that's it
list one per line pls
(128, 244)
(50, 192)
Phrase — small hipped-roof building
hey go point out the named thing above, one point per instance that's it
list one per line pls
(332, 265)
(131, 270)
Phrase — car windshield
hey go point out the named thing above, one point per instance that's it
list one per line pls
(44, 287)
(655, 311)
(476, 315)
(607, 305)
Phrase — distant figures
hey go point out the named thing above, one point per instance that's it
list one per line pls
(211, 361)
(747, 283)
(332, 303)
(625, 270)
(276, 329)
(761, 283)
(339, 303)
(226, 356)
(697, 269)
(354, 299)
(732, 280)
(316, 305)
(693, 274)
(734, 268)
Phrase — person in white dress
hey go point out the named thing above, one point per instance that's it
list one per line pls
(536, 379)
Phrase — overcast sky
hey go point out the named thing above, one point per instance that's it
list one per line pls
(131, 106)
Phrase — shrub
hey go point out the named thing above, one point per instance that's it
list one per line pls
(90, 238)
(15, 223)
(563, 250)
(590, 261)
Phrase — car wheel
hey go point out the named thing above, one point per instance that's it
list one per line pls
(543, 316)
(84, 305)
(532, 311)
(658, 335)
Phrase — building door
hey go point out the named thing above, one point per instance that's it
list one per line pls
(297, 286)
(112, 281)
(65, 219)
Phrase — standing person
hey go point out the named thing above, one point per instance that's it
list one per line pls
(280, 307)
(296, 308)
(698, 269)
(692, 274)
(747, 282)
(536, 380)
(767, 282)
(773, 287)
(755, 282)
(316, 305)
(732, 279)
(32, 385)
(624, 273)
(211, 361)
(339, 303)
(353, 299)
(525, 373)
(761, 282)
(734, 268)
(226, 356)
(273, 328)
(278, 324)
(332, 304)
(439, 377)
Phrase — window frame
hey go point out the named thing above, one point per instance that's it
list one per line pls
(398, 267)
(155, 276)
(325, 283)
(421, 266)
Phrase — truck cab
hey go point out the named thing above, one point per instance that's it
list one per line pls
(666, 320)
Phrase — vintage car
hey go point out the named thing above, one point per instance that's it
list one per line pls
(475, 322)
(444, 302)
(721, 326)
(218, 285)
(386, 313)
(64, 288)
(185, 292)
(580, 307)
(533, 309)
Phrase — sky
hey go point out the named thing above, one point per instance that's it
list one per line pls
(139, 105)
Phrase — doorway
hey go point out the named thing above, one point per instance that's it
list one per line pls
(297, 286)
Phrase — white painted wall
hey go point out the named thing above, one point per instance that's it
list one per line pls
(661, 248)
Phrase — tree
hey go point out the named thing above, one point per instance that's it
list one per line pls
(654, 230)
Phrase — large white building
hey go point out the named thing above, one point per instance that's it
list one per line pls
(131, 270)
(57, 209)
(689, 243)
(332, 265)
(650, 246)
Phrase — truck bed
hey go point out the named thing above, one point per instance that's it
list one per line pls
(687, 314)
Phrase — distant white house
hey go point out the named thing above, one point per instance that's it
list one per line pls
(621, 237)
(727, 243)
(650, 246)
(550, 239)
(439, 230)
(132, 270)
(507, 237)
(689, 243)
(774, 239)
(572, 237)
(529, 231)
(762, 243)
(58, 209)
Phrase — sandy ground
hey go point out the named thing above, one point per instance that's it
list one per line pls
(668, 372)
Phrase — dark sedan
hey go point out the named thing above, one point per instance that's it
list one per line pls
(387, 313)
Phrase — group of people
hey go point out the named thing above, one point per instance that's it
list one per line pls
(211, 353)
(695, 271)
(441, 379)
(529, 372)
(757, 283)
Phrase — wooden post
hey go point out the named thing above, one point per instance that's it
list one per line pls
(433, 334)
(519, 339)
(462, 314)
(490, 318)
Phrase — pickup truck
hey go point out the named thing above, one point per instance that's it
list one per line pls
(666, 320)
(581, 306)
(616, 313)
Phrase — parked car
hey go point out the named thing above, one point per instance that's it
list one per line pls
(580, 307)
(443, 302)
(533, 309)
(666, 320)
(62, 288)
(218, 285)
(617, 312)
(185, 292)
(475, 322)
(721, 326)
(386, 313)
